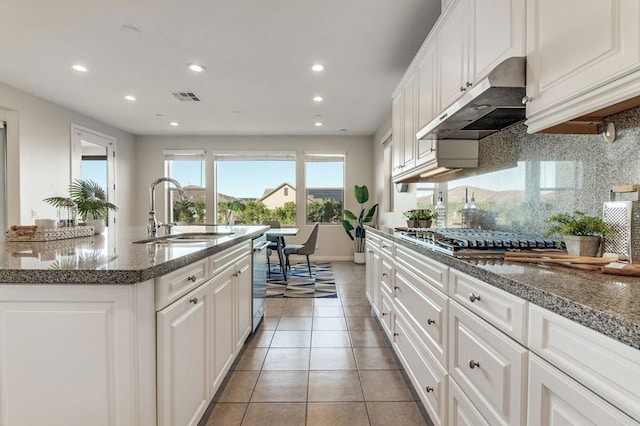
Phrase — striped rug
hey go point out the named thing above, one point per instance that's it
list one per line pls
(322, 283)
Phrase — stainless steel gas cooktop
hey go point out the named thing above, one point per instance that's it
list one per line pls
(461, 241)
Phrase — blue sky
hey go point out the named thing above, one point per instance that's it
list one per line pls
(249, 179)
(95, 170)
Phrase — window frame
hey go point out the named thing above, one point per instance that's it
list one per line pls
(329, 157)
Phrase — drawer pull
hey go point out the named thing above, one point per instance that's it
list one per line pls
(395, 287)
(444, 116)
(428, 389)
(469, 84)
(384, 274)
(369, 251)
(385, 247)
(194, 300)
(384, 314)
(473, 297)
(430, 321)
(191, 278)
(473, 364)
(396, 334)
(239, 272)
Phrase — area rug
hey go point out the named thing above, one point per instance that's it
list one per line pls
(322, 283)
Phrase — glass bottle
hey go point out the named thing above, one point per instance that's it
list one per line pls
(441, 212)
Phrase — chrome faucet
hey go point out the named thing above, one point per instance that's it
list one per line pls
(152, 223)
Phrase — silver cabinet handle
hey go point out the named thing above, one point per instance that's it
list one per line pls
(384, 314)
(473, 364)
(463, 89)
(369, 251)
(469, 84)
(473, 297)
(191, 278)
(239, 272)
(395, 287)
(194, 300)
(396, 334)
(526, 100)
(384, 274)
(430, 321)
(383, 246)
(428, 389)
(444, 116)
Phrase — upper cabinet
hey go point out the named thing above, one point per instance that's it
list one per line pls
(404, 122)
(453, 54)
(582, 56)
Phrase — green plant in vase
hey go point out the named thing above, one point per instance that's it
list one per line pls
(582, 234)
(358, 236)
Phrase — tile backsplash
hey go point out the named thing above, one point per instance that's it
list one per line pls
(523, 178)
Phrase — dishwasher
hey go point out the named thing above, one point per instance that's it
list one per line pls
(259, 278)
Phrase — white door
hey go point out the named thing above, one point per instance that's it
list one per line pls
(184, 358)
(93, 156)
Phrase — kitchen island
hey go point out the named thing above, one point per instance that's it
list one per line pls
(491, 342)
(131, 334)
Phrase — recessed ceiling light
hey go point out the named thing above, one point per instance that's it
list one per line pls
(130, 98)
(343, 130)
(80, 68)
(318, 124)
(196, 67)
(318, 98)
(173, 123)
(317, 67)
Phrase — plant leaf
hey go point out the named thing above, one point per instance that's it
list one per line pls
(361, 194)
(350, 215)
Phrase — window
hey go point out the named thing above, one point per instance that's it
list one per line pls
(325, 187)
(188, 168)
(256, 187)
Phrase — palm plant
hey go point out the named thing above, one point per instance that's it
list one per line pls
(358, 236)
(90, 198)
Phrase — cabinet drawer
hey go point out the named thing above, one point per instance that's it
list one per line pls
(387, 274)
(220, 261)
(602, 364)
(488, 366)
(461, 410)
(503, 310)
(433, 272)
(554, 395)
(427, 376)
(172, 286)
(387, 247)
(426, 310)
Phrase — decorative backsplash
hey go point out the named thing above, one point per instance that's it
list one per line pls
(523, 178)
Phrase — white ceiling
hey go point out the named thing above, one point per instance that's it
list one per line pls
(257, 53)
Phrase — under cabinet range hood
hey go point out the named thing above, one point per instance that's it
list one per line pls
(488, 106)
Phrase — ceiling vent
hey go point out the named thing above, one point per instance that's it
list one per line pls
(186, 96)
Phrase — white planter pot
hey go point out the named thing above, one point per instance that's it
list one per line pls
(98, 225)
(582, 245)
(359, 258)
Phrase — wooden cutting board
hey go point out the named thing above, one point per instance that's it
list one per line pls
(596, 264)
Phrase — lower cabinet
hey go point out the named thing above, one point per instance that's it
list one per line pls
(184, 357)
(223, 343)
(461, 409)
(555, 398)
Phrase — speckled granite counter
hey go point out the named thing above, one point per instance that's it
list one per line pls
(609, 304)
(94, 260)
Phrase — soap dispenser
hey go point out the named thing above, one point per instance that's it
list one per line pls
(441, 212)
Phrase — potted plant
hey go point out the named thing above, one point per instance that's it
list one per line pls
(412, 218)
(425, 217)
(358, 236)
(91, 201)
(582, 234)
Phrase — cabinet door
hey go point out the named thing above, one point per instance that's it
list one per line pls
(372, 268)
(575, 46)
(489, 367)
(427, 85)
(244, 289)
(498, 33)
(461, 410)
(184, 358)
(397, 128)
(555, 398)
(223, 324)
(452, 54)
(410, 123)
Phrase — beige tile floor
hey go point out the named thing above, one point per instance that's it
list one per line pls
(318, 362)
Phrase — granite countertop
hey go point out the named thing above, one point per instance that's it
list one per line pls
(609, 304)
(95, 260)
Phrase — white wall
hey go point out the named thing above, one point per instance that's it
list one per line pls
(333, 243)
(39, 155)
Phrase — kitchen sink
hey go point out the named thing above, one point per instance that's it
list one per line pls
(193, 237)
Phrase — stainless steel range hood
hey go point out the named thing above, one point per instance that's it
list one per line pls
(490, 105)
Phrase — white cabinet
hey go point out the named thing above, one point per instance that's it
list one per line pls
(372, 270)
(243, 299)
(488, 366)
(453, 54)
(461, 410)
(77, 355)
(404, 124)
(607, 367)
(582, 56)
(184, 358)
(427, 87)
(223, 342)
(555, 398)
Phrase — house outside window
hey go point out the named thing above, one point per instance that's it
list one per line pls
(256, 187)
(324, 187)
(188, 168)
